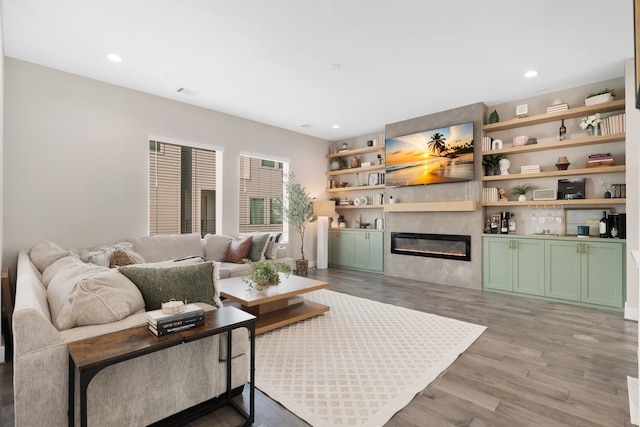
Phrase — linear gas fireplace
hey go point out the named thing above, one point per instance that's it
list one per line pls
(447, 246)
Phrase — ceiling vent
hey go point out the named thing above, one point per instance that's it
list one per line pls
(186, 91)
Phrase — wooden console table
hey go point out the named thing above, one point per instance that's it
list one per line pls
(91, 355)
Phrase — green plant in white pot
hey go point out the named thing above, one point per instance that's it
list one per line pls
(522, 190)
(298, 212)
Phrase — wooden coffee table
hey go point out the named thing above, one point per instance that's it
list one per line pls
(276, 305)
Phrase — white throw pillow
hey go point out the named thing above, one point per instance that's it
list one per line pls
(85, 294)
(215, 247)
(46, 253)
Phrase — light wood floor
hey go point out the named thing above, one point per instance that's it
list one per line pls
(538, 363)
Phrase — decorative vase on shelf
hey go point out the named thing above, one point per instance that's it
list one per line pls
(592, 130)
(522, 198)
(563, 163)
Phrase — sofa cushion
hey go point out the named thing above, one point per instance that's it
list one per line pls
(239, 249)
(258, 246)
(59, 265)
(122, 257)
(193, 283)
(166, 247)
(46, 253)
(85, 294)
(215, 247)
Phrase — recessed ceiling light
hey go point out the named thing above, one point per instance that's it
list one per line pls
(334, 66)
(113, 57)
(336, 126)
(531, 73)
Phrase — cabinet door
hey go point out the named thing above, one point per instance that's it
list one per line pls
(528, 266)
(563, 272)
(376, 251)
(497, 264)
(341, 248)
(361, 249)
(602, 273)
(333, 247)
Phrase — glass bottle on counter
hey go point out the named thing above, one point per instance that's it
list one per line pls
(512, 224)
(603, 225)
(615, 231)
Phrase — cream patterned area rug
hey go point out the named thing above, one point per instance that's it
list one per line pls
(358, 364)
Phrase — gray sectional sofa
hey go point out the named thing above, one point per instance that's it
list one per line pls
(60, 298)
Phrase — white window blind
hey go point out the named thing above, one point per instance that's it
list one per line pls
(261, 182)
(182, 189)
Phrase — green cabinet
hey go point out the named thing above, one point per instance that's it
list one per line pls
(586, 271)
(514, 265)
(356, 248)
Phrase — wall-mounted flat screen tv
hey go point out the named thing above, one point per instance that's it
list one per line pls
(431, 157)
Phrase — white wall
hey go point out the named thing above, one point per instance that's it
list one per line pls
(76, 157)
(633, 190)
(2, 357)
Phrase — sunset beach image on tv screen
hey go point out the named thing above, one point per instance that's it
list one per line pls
(430, 157)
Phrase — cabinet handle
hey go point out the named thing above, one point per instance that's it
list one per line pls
(584, 248)
(578, 247)
(515, 244)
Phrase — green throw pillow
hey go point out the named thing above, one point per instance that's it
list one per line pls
(258, 246)
(194, 283)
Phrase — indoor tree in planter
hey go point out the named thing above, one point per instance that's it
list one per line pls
(298, 212)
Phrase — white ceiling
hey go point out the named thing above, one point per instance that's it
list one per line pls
(270, 60)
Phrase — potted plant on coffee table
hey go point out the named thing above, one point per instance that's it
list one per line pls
(298, 212)
(264, 273)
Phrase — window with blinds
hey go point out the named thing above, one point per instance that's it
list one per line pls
(261, 183)
(182, 189)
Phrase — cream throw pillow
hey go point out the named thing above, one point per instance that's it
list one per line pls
(85, 294)
(46, 253)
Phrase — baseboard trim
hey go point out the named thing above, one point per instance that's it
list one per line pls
(630, 313)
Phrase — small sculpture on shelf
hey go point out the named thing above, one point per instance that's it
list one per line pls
(504, 166)
(502, 195)
(355, 162)
(562, 163)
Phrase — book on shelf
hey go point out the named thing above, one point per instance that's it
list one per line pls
(160, 331)
(490, 194)
(613, 124)
(557, 107)
(530, 169)
(158, 318)
(600, 157)
(486, 143)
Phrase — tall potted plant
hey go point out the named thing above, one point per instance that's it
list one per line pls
(298, 212)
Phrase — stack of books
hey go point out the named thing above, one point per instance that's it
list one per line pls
(613, 124)
(530, 169)
(600, 159)
(486, 143)
(490, 194)
(162, 324)
(557, 107)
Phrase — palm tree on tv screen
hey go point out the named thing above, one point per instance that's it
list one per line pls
(436, 144)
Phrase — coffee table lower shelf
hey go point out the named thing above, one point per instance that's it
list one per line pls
(268, 321)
